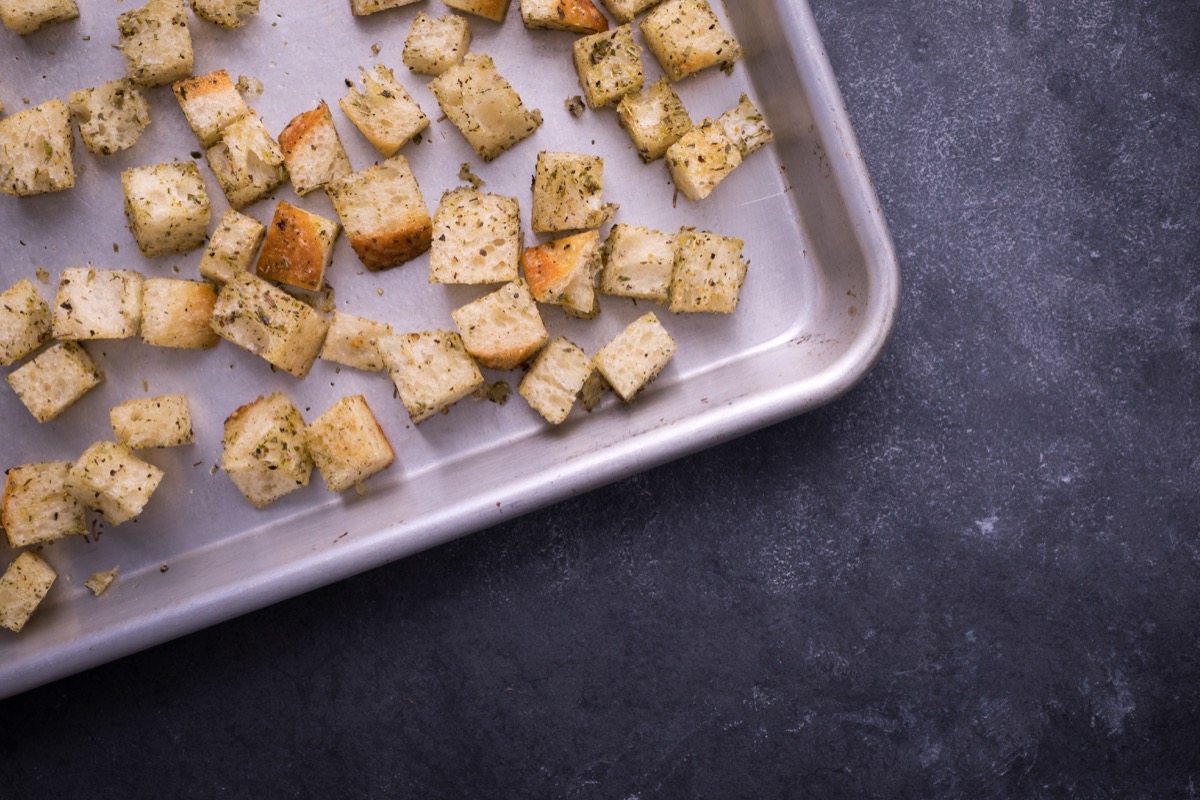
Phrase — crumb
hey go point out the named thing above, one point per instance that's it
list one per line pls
(100, 581)
(465, 174)
(575, 106)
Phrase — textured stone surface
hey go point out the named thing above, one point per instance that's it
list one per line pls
(976, 576)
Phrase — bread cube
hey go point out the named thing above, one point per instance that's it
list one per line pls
(609, 66)
(97, 304)
(635, 357)
(360, 8)
(100, 581)
(110, 479)
(313, 151)
(701, 159)
(555, 380)
(166, 207)
(146, 422)
(155, 42)
(247, 162)
(745, 127)
(638, 263)
(232, 247)
(708, 274)
(435, 44)
(567, 189)
(50, 383)
(229, 14)
(502, 330)
(576, 16)
(654, 118)
(686, 37)
(27, 16)
(24, 321)
(383, 111)
(476, 238)
(22, 588)
(431, 369)
(270, 323)
(563, 272)
(37, 506)
(209, 103)
(351, 342)
(37, 150)
(483, 106)
(266, 451)
(384, 213)
(347, 444)
(111, 116)
(298, 248)
(625, 10)
(489, 9)
(178, 313)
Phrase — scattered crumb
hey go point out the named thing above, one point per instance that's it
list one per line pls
(465, 174)
(248, 85)
(145, 385)
(100, 581)
(42, 274)
(375, 48)
(163, 568)
(575, 106)
(497, 392)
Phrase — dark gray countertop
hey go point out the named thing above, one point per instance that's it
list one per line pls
(977, 575)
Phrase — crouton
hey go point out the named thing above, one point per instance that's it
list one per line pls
(270, 323)
(28, 16)
(247, 162)
(351, 342)
(111, 116)
(686, 37)
(228, 14)
(361, 8)
(555, 380)
(37, 150)
(489, 9)
(265, 451)
(483, 106)
(97, 304)
(563, 272)
(100, 581)
(110, 479)
(383, 111)
(147, 422)
(178, 313)
(384, 213)
(609, 66)
(654, 118)
(502, 330)
(233, 246)
(431, 369)
(625, 10)
(22, 588)
(636, 356)
(37, 506)
(637, 263)
(166, 207)
(708, 274)
(155, 42)
(701, 159)
(434, 44)
(576, 16)
(50, 383)
(209, 103)
(298, 248)
(476, 238)
(347, 444)
(745, 126)
(24, 321)
(567, 189)
(313, 151)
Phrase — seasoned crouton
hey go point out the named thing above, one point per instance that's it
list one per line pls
(313, 151)
(609, 66)
(625, 10)
(347, 444)
(637, 263)
(228, 14)
(745, 127)
(178, 313)
(384, 213)
(37, 150)
(636, 356)
(24, 321)
(567, 189)
(708, 274)
(360, 8)
(476, 238)
(232, 247)
(483, 106)
(431, 369)
(489, 9)
(247, 161)
(97, 304)
(155, 42)
(110, 479)
(555, 380)
(701, 159)
(146, 422)
(686, 37)
(209, 103)
(298, 248)
(502, 330)
(270, 323)
(576, 16)
(166, 207)
(563, 272)
(37, 506)
(22, 588)
(351, 341)
(654, 118)
(266, 454)
(383, 111)
(27, 16)
(50, 383)
(111, 116)
(435, 44)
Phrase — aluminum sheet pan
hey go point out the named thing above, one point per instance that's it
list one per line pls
(817, 308)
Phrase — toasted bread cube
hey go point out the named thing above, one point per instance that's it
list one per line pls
(298, 247)
(155, 42)
(347, 444)
(209, 103)
(686, 37)
(110, 479)
(50, 383)
(166, 207)
(361, 8)
(625, 10)
(745, 126)
(111, 116)
(431, 369)
(502, 330)
(22, 588)
(638, 263)
(701, 159)
(654, 118)
(352, 342)
(266, 452)
(609, 66)
(384, 213)
(270, 323)
(495, 10)
(229, 14)
(635, 356)
(383, 111)
(313, 151)
(555, 380)
(24, 321)
(576, 16)
(37, 506)
(97, 304)
(146, 422)
(178, 313)
(247, 162)
(27, 16)
(567, 189)
(483, 106)
(233, 246)
(476, 238)
(100, 581)
(435, 44)
(563, 272)
(708, 274)
(37, 150)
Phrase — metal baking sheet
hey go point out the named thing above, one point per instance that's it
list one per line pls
(818, 305)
